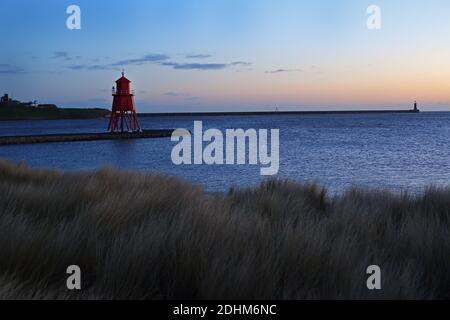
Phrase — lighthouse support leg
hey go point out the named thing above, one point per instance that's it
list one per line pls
(136, 122)
(112, 119)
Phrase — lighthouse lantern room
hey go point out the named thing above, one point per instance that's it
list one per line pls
(123, 116)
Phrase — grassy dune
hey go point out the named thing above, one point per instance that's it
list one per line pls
(154, 237)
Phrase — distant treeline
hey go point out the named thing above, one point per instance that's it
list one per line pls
(47, 111)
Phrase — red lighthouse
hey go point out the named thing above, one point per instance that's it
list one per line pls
(123, 115)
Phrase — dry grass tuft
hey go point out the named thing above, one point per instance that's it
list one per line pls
(139, 236)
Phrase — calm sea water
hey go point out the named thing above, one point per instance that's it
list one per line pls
(392, 151)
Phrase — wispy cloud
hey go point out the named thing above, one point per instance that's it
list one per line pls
(198, 56)
(10, 69)
(88, 67)
(185, 96)
(162, 60)
(64, 55)
(196, 66)
(173, 94)
(241, 63)
(192, 98)
(153, 57)
(60, 54)
(204, 66)
(282, 71)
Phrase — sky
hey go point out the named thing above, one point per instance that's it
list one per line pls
(229, 55)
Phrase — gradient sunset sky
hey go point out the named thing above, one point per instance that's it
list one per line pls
(228, 55)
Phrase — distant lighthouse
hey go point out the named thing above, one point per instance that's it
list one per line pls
(123, 116)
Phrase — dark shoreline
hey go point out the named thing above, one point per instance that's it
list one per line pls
(215, 114)
(270, 113)
(48, 112)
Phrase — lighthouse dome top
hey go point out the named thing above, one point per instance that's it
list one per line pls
(123, 79)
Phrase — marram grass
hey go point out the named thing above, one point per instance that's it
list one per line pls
(148, 236)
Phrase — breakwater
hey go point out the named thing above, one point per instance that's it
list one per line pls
(270, 113)
(48, 138)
